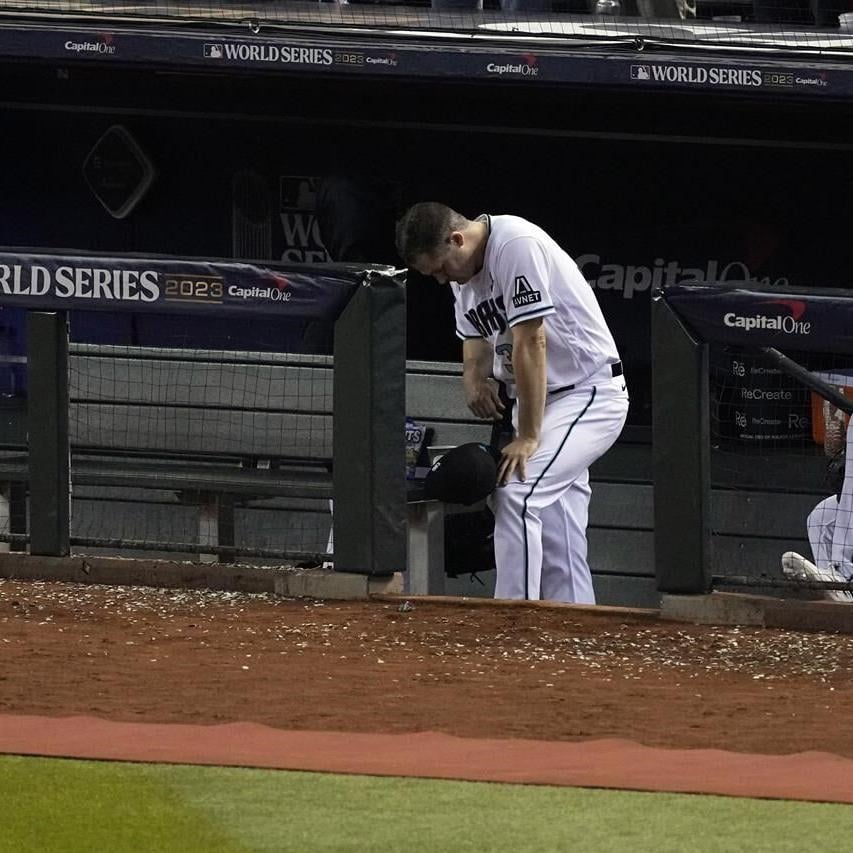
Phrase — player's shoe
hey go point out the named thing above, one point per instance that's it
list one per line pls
(797, 567)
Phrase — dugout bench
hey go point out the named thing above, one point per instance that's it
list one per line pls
(201, 434)
(127, 441)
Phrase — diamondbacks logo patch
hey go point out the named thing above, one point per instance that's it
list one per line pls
(524, 294)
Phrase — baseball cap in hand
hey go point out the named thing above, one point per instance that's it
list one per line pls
(464, 475)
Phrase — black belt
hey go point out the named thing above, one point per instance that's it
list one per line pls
(615, 370)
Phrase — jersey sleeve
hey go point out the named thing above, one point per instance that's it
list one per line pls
(523, 271)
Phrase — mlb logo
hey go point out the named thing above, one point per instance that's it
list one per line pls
(640, 72)
(213, 51)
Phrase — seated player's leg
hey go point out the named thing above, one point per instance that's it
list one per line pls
(841, 554)
(820, 525)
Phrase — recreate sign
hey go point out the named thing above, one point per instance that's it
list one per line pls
(174, 285)
(814, 321)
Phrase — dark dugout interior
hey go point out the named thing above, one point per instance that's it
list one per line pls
(640, 187)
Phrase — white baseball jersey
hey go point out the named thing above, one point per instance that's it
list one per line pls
(540, 523)
(525, 275)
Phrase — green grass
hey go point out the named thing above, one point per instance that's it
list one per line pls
(49, 805)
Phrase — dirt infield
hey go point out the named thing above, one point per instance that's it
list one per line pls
(167, 656)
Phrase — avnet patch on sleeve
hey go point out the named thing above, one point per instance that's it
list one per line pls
(523, 293)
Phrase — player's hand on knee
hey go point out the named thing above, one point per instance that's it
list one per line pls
(483, 399)
(514, 459)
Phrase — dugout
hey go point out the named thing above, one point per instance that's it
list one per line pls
(646, 182)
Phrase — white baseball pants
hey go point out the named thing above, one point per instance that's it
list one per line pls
(830, 523)
(540, 524)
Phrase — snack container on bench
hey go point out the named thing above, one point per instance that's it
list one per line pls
(415, 441)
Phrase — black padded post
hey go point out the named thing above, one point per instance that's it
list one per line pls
(681, 454)
(369, 517)
(47, 417)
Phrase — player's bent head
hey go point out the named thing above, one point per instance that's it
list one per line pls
(425, 229)
(465, 475)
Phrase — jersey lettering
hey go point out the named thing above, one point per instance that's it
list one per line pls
(489, 317)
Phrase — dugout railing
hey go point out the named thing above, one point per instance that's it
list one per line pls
(737, 459)
(356, 455)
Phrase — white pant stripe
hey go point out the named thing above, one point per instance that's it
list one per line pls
(536, 483)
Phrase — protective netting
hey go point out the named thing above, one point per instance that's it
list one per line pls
(174, 446)
(757, 406)
(211, 454)
(778, 469)
(825, 24)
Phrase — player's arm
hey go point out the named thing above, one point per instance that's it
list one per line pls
(833, 442)
(481, 390)
(529, 364)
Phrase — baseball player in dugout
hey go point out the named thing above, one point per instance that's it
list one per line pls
(830, 523)
(528, 319)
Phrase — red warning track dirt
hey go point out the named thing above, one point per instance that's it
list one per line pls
(553, 695)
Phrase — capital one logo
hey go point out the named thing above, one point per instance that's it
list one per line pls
(528, 67)
(789, 323)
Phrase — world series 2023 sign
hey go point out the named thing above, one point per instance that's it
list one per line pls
(174, 285)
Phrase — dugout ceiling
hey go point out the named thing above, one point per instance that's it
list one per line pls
(354, 101)
(617, 86)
